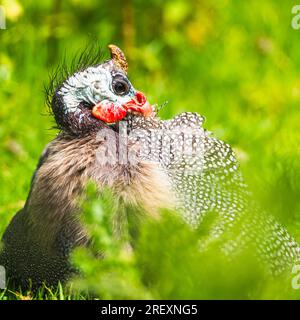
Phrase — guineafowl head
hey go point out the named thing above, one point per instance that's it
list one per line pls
(97, 95)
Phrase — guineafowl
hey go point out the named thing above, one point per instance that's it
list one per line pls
(111, 135)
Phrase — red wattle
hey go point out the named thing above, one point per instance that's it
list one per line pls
(108, 112)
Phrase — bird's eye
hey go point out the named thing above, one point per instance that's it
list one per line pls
(97, 85)
(120, 86)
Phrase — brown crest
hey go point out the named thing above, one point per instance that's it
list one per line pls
(118, 57)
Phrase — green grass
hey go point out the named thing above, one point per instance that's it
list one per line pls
(43, 293)
(240, 70)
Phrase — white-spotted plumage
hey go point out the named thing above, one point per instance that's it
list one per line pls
(208, 179)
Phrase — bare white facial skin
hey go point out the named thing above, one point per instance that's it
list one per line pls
(91, 85)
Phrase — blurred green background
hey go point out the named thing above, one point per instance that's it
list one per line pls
(235, 62)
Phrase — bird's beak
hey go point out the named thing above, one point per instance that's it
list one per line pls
(110, 112)
(139, 104)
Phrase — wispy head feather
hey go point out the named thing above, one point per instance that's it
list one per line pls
(91, 55)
